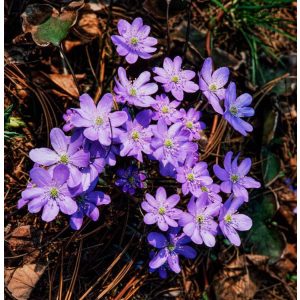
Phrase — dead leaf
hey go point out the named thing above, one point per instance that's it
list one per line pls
(21, 281)
(66, 82)
(240, 279)
(21, 239)
(89, 24)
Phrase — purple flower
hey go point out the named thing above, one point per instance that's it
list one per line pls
(198, 222)
(23, 201)
(134, 40)
(50, 192)
(165, 110)
(237, 108)
(170, 247)
(190, 122)
(211, 192)
(174, 79)
(234, 177)
(99, 122)
(130, 180)
(138, 135)
(162, 270)
(87, 206)
(136, 92)
(161, 209)
(193, 177)
(230, 220)
(171, 145)
(67, 117)
(212, 84)
(66, 151)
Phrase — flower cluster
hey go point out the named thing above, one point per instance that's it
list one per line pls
(146, 121)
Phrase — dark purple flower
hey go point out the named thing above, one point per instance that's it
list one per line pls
(162, 270)
(130, 179)
(234, 177)
(198, 222)
(137, 92)
(165, 110)
(134, 40)
(170, 247)
(161, 210)
(171, 145)
(237, 108)
(87, 206)
(191, 122)
(49, 191)
(212, 84)
(193, 177)
(99, 122)
(230, 220)
(137, 137)
(67, 151)
(174, 79)
(67, 117)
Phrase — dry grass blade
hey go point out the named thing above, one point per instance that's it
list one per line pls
(75, 273)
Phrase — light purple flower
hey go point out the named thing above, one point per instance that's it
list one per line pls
(165, 110)
(237, 108)
(130, 179)
(23, 201)
(87, 206)
(211, 192)
(67, 117)
(137, 92)
(67, 151)
(99, 122)
(170, 247)
(134, 40)
(50, 192)
(230, 220)
(174, 79)
(193, 177)
(198, 222)
(191, 122)
(234, 176)
(171, 145)
(138, 135)
(212, 84)
(161, 210)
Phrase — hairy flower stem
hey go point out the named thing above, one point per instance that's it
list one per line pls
(70, 68)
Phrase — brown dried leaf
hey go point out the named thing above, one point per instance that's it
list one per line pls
(89, 24)
(21, 281)
(66, 82)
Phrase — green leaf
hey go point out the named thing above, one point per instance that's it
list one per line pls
(47, 25)
(270, 166)
(263, 238)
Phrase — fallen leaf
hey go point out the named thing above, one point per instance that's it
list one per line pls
(66, 82)
(89, 24)
(21, 281)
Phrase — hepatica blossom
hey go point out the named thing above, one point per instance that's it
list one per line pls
(193, 177)
(87, 206)
(212, 84)
(198, 222)
(133, 40)
(174, 79)
(136, 92)
(161, 209)
(230, 221)
(137, 136)
(165, 109)
(190, 121)
(130, 179)
(50, 193)
(237, 108)
(66, 150)
(171, 144)
(169, 247)
(234, 176)
(99, 123)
